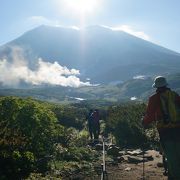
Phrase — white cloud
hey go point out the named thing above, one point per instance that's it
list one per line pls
(129, 30)
(74, 27)
(39, 20)
(12, 73)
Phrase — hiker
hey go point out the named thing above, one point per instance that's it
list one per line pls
(90, 123)
(96, 124)
(164, 109)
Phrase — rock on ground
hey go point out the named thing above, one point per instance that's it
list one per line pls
(131, 171)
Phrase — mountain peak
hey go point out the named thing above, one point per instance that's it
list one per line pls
(101, 54)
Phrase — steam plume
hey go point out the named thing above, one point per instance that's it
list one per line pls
(12, 73)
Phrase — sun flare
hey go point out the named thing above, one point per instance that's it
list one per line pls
(82, 7)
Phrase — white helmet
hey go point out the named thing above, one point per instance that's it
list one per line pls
(159, 81)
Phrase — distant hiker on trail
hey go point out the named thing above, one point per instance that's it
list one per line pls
(93, 124)
(90, 122)
(96, 124)
(164, 109)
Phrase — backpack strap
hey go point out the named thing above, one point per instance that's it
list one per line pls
(165, 109)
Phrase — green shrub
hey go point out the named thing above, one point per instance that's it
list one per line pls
(27, 134)
(124, 122)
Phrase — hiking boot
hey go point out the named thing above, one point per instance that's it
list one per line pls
(165, 173)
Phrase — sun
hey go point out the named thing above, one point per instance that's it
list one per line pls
(82, 7)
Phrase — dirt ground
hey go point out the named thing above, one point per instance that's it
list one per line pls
(129, 171)
(126, 171)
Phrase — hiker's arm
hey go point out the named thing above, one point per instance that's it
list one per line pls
(150, 113)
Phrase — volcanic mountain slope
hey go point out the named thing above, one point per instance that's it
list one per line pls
(101, 54)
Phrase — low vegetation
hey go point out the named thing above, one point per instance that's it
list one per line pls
(39, 138)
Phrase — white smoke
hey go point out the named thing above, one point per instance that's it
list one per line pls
(133, 98)
(12, 73)
(142, 77)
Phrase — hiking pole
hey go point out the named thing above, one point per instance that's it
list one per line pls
(103, 165)
(143, 157)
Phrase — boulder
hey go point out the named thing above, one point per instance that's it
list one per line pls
(113, 150)
(99, 147)
(127, 169)
(121, 153)
(120, 159)
(148, 157)
(135, 152)
(160, 164)
(134, 159)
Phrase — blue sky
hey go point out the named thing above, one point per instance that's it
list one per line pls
(154, 20)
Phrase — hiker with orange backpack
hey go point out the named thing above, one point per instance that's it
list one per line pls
(164, 109)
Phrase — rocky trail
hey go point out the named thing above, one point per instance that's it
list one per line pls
(131, 168)
(127, 165)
